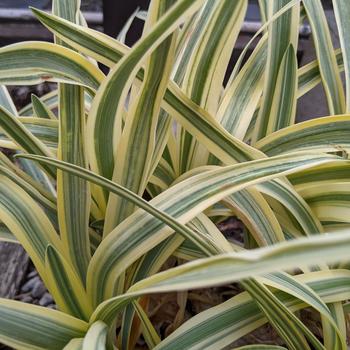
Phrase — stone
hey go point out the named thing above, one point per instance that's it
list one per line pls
(46, 300)
(32, 274)
(38, 290)
(26, 299)
(29, 285)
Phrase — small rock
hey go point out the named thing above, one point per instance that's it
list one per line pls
(32, 274)
(38, 289)
(20, 296)
(46, 300)
(52, 306)
(26, 299)
(28, 286)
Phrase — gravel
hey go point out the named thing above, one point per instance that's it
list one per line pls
(32, 280)
(38, 290)
(33, 290)
(46, 299)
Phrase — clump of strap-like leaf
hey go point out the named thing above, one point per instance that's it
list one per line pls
(163, 123)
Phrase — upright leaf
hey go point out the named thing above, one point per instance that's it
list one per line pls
(342, 14)
(326, 57)
(40, 110)
(282, 33)
(105, 118)
(66, 286)
(137, 142)
(73, 193)
(203, 81)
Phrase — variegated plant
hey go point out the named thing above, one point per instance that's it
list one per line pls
(162, 123)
